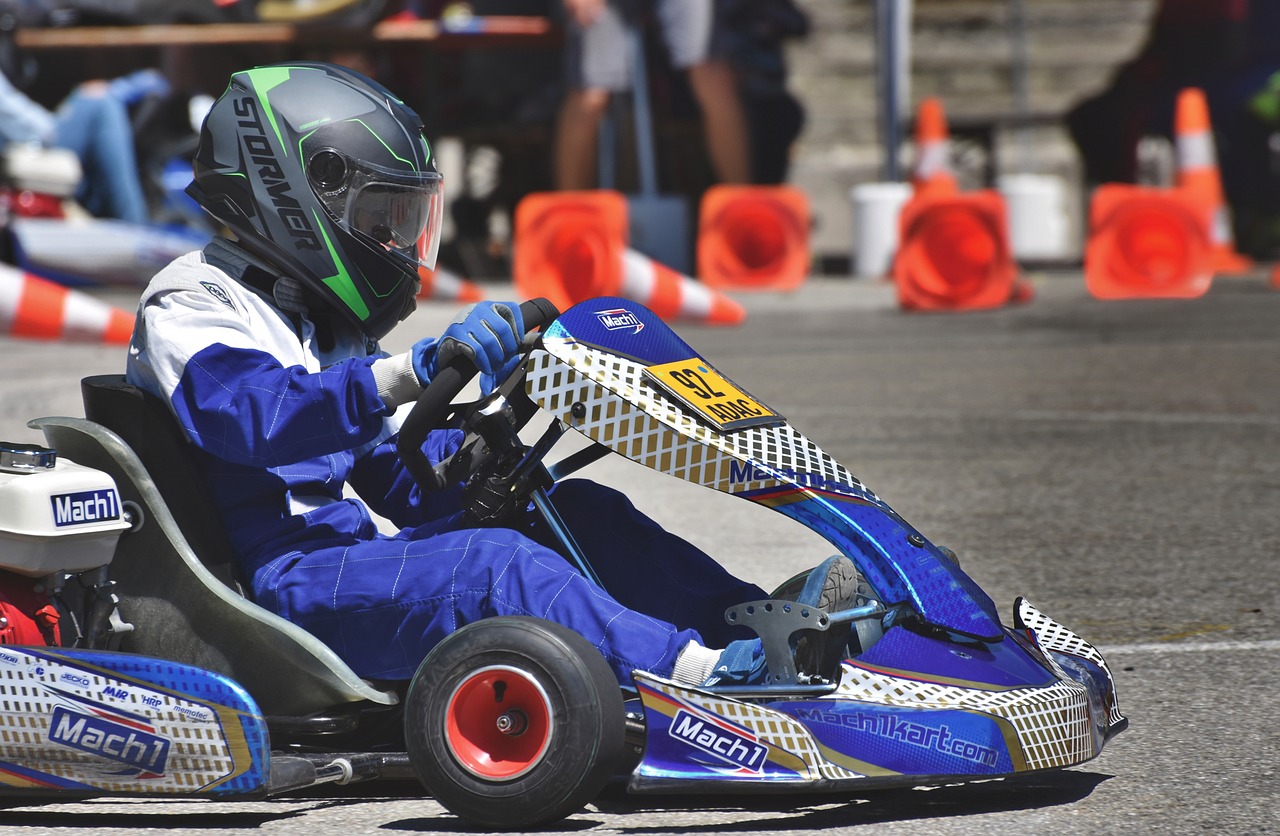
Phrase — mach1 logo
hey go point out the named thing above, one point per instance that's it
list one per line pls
(619, 319)
(724, 743)
(745, 472)
(85, 507)
(97, 735)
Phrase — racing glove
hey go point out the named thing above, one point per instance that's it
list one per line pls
(486, 333)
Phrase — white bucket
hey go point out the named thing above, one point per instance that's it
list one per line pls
(876, 207)
(1037, 215)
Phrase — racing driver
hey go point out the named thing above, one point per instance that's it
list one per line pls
(265, 345)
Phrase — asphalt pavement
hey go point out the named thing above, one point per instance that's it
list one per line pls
(1117, 463)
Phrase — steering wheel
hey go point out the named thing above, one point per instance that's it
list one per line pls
(433, 406)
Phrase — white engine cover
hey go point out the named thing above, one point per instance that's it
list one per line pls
(55, 515)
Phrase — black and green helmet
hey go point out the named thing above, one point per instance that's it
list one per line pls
(326, 175)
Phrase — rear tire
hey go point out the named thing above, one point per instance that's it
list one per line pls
(514, 722)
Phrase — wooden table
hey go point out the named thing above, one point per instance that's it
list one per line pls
(476, 31)
(200, 56)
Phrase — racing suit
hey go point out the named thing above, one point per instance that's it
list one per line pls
(283, 420)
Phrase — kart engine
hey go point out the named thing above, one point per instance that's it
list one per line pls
(59, 524)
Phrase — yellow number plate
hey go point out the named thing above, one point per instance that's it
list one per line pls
(701, 388)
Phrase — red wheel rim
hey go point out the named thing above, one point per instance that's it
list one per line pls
(498, 723)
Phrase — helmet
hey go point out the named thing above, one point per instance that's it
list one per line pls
(327, 176)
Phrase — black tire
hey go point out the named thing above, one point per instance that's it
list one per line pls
(554, 695)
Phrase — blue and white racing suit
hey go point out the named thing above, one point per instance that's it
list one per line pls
(282, 424)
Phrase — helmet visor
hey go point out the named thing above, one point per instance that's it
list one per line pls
(400, 210)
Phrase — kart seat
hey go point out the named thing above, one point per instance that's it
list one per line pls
(145, 424)
(175, 571)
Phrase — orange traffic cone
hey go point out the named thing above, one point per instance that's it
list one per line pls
(443, 285)
(1146, 243)
(753, 237)
(955, 254)
(932, 169)
(568, 245)
(571, 246)
(673, 295)
(1198, 174)
(40, 309)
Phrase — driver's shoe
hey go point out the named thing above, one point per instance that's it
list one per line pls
(741, 663)
(833, 586)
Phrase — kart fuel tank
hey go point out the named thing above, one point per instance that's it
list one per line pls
(55, 515)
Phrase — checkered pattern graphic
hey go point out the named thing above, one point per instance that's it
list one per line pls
(1053, 636)
(1052, 723)
(769, 726)
(650, 427)
(606, 397)
(198, 754)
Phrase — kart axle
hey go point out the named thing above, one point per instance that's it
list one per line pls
(512, 723)
(301, 770)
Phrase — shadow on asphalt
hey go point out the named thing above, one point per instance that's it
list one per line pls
(93, 821)
(815, 812)
(785, 812)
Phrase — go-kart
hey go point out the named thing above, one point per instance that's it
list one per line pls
(165, 679)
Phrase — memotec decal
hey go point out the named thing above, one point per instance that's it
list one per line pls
(114, 741)
(732, 746)
(85, 507)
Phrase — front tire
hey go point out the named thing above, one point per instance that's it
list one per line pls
(514, 722)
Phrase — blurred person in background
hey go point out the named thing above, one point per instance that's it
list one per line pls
(597, 65)
(93, 122)
(755, 34)
(1231, 50)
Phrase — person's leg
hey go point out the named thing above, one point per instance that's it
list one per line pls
(645, 567)
(383, 604)
(658, 573)
(723, 121)
(577, 136)
(96, 127)
(595, 65)
(689, 30)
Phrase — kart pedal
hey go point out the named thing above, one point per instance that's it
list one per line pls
(775, 622)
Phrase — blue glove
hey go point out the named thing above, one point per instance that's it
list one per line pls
(486, 333)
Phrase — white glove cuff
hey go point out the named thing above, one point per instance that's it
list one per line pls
(397, 384)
